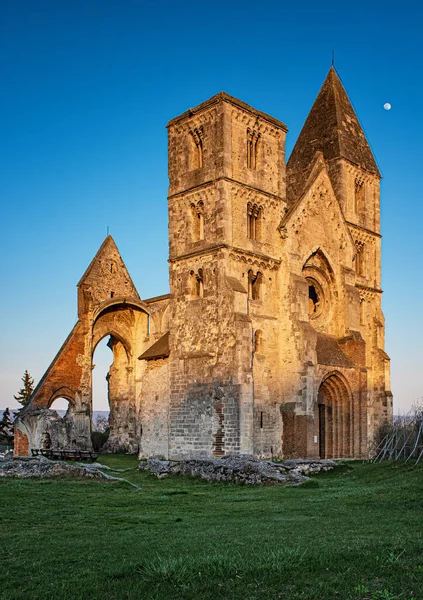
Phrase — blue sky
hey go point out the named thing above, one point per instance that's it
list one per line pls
(87, 89)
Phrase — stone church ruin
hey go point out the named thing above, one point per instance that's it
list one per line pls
(271, 341)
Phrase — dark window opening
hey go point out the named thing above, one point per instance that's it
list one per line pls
(261, 420)
(254, 285)
(313, 299)
(197, 284)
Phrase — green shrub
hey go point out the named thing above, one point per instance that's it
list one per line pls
(99, 438)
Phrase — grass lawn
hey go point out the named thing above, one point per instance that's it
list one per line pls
(354, 533)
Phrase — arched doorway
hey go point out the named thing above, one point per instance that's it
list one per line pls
(333, 413)
(117, 321)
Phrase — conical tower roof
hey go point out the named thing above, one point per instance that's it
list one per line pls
(332, 127)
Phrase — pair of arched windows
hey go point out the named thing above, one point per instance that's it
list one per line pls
(253, 137)
(197, 218)
(254, 221)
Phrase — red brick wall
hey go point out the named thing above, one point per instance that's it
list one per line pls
(21, 447)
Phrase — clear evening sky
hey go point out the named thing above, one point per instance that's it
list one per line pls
(87, 89)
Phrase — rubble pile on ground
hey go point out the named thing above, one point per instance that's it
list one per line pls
(25, 467)
(242, 468)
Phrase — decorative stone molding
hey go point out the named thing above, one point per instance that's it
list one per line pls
(361, 237)
(253, 197)
(198, 121)
(252, 260)
(253, 122)
(359, 175)
(204, 196)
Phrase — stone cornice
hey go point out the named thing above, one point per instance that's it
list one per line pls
(368, 288)
(210, 182)
(224, 97)
(240, 254)
(360, 228)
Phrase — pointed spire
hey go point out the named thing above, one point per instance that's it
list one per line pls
(332, 127)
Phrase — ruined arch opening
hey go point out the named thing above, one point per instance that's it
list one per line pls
(114, 396)
(100, 407)
(333, 414)
(61, 405)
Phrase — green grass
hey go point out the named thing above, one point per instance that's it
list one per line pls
(353, 534)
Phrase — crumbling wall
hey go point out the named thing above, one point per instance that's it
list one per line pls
(108, 305)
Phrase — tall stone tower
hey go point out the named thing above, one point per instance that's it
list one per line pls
(226, 198)
(332, 129)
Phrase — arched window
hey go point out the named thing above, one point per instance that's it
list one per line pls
(253, 137)
(197, 135)
(254, 219)
(254, 285)
(359, 199)
(197, 215)
(362, 311)
(200, 283)
(258, 341)
(360, 265)
(196, 284)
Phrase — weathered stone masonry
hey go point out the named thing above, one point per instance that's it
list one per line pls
(271, 341)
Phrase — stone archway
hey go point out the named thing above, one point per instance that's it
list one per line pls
(334, 415)
(121, 395)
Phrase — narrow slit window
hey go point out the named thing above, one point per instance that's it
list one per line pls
(359, 200)
(254, 285)
(362, 311)
(360, 266)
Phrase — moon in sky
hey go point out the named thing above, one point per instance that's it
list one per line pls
(387, 106)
